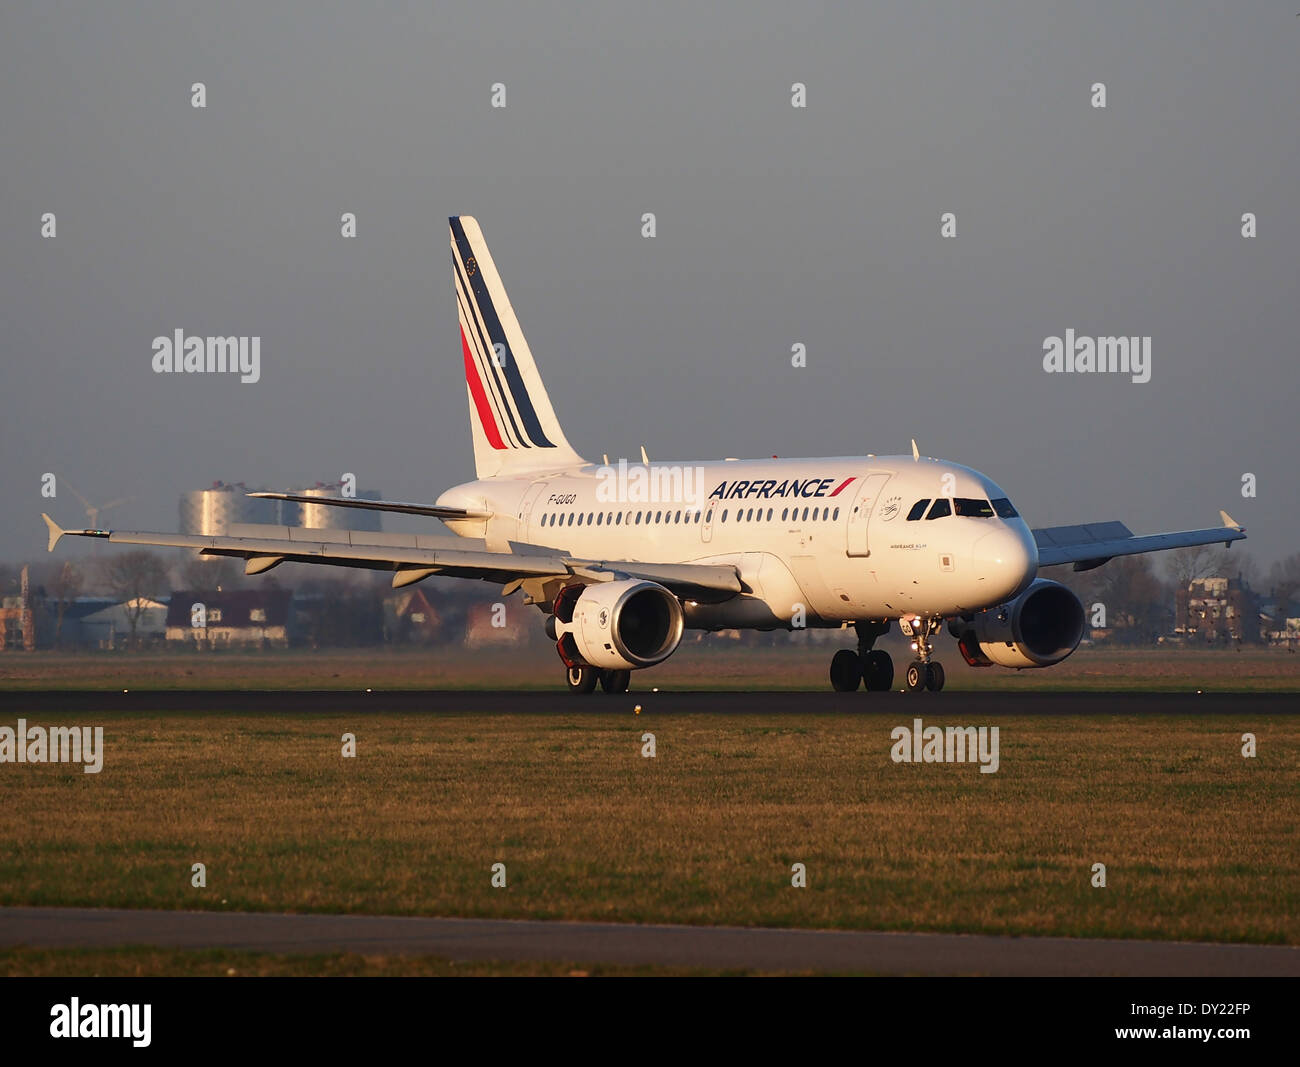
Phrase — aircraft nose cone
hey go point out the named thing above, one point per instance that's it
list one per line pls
(1005, 561)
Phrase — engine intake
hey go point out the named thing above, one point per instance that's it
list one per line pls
(1042, 626)
(621, 625)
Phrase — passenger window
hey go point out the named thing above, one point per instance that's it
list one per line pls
(805, 514)
(784, 513)
(836, 516)
(918, 509)
(599, 518)
(570, 522)
(769, 514)
(618, 519)
(638, 518)
(940, 508)
(724, 514)
(679, 518)
(816, 512)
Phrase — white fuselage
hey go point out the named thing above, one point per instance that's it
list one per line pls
(815, 541)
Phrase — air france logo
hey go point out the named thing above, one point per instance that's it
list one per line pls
(792, 487)
(890, 508)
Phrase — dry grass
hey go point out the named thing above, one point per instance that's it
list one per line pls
(1199, 842)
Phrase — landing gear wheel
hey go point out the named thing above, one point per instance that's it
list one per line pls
(846, 671)
(581, 679)
(615, 681)
(916, 676)
(878, 671)
(934, 676)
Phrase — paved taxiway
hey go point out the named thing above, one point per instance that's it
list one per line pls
(968, 704)
(672, 946)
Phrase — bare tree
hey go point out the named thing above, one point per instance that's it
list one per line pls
(64, 586)
(209, 574)
(1285, 579)
(135, 577)
(1136, 600)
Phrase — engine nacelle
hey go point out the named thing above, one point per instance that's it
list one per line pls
(621, 625)
(1042, 626)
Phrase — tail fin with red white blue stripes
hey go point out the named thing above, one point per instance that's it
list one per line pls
(515, 428)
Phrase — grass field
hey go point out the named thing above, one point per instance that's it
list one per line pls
(712, 666)
(1199, 843)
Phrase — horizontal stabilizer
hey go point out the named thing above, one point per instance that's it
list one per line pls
(377, 505)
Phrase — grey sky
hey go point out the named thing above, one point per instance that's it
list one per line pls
(776, 226)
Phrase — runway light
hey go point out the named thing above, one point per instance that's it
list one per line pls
(638, 709)
(369, 690)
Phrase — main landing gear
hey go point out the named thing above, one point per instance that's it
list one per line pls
(585, 680)
(850, 669)
(922, 673)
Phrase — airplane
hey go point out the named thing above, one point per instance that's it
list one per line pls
(622, 559)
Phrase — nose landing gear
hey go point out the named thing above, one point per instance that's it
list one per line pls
(922, 673)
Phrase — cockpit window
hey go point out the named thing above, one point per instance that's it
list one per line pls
(939, 509)
(1004, 509)
(918, 509)
(972, 508)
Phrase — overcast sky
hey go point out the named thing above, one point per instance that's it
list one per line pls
(776, 226)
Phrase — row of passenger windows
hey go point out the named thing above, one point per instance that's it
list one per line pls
(971, 507)
(689, 515)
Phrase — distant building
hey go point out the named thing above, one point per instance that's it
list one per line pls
(500, 624)
(210, 512)
(1217, 611)
(110, 626)
(260, 618)
(411, 618)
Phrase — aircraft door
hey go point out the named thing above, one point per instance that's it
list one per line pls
(526, 506)
(860, 513)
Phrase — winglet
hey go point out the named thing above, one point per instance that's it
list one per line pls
(916, 452)
(55, 531)
(1229, 521)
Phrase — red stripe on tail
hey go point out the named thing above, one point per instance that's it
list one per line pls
(481, 404)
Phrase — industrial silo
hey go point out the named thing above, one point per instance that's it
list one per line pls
(210, 512)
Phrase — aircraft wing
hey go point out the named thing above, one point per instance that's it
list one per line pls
(1092, 544)
(413, 557)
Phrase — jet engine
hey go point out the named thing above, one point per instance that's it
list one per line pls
(1040, 627)
(622, 625)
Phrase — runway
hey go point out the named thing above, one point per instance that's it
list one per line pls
(15, 702)
(669, 946)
